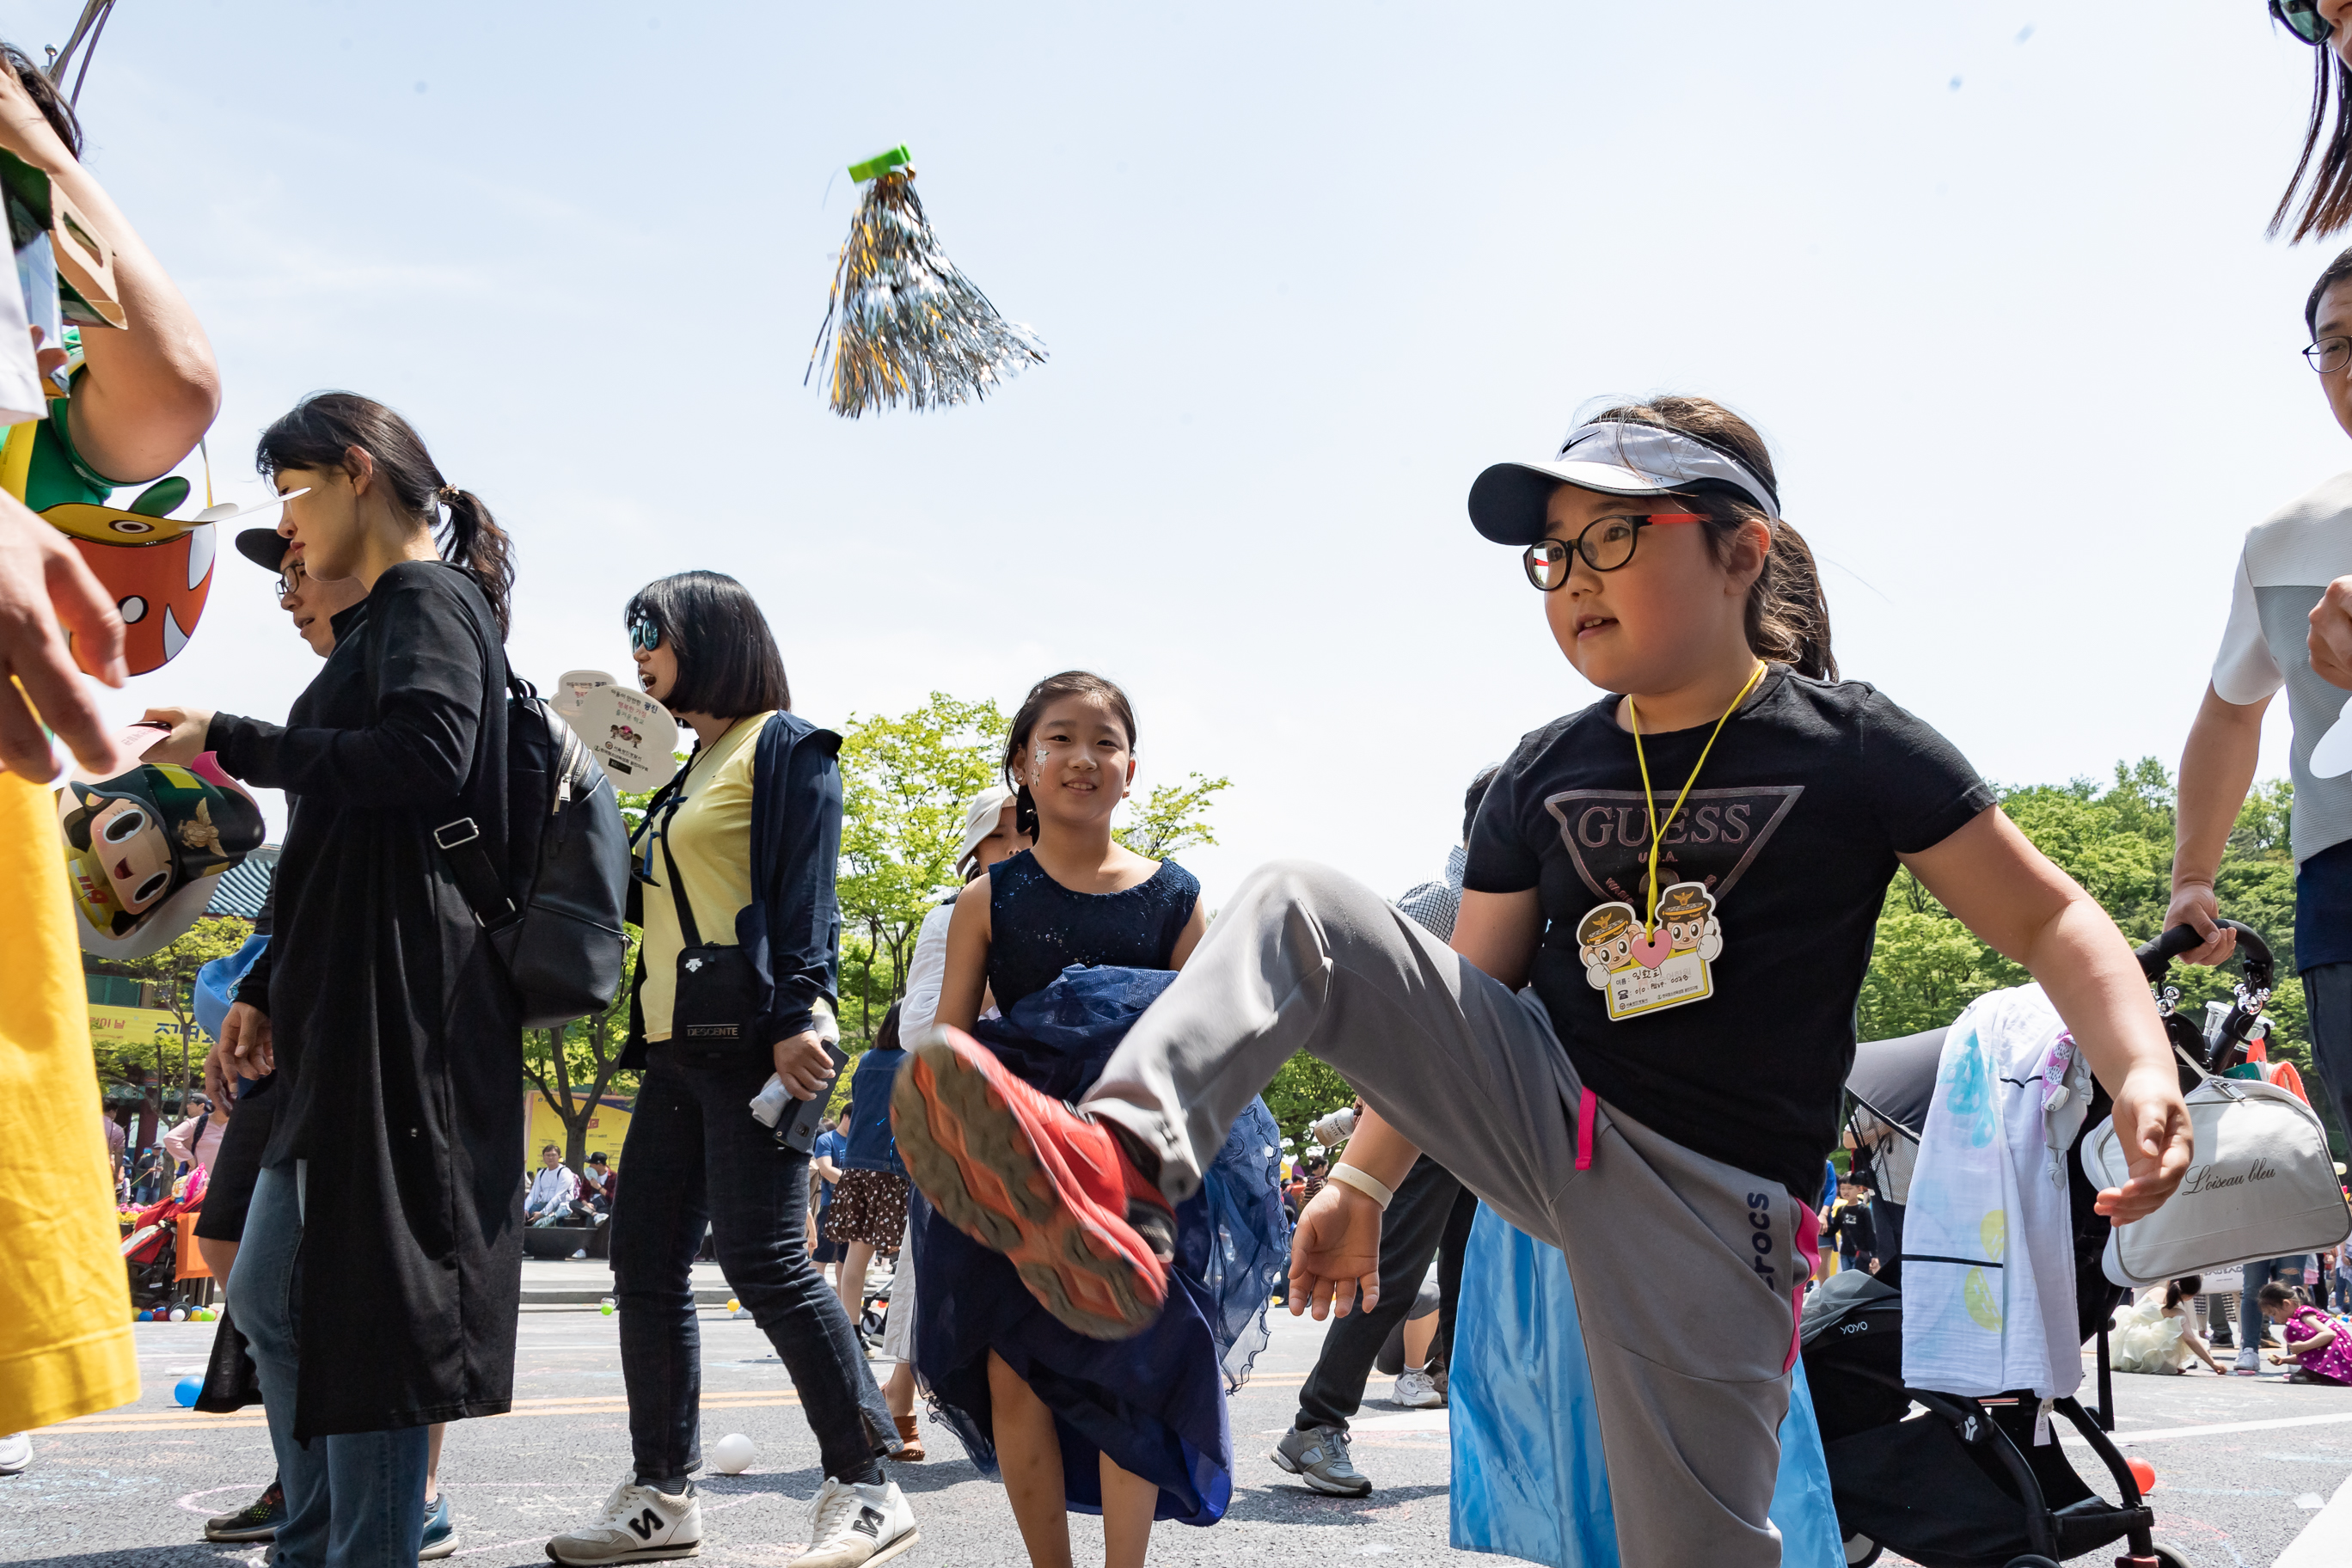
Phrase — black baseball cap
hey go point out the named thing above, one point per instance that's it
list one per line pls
(265, 547)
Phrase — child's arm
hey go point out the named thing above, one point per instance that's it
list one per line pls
(2195, 1341)
(2008, 893)
(967, 974)
(2310, 1345)
(1196, 926)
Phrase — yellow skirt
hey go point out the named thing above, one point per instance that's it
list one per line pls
(67, 1348)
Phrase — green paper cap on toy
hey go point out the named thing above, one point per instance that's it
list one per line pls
(133, 840)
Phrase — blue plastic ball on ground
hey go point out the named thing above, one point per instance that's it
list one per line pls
(146, 1317)
(187, 1389)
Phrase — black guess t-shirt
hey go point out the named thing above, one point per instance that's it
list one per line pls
(1812, 791)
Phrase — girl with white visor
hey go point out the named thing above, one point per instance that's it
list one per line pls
(1663, 1121)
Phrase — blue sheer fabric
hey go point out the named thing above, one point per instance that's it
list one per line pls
(216, 983)
(1528, 1480)
(1155, 1404)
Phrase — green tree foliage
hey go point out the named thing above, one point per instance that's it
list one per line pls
(171, 971)
(1172, 817)
(1304, 1090)
(905, 783)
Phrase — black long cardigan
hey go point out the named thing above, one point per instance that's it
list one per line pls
(398, 1039)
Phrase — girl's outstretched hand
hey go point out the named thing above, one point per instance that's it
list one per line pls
(2152, 1123)
(1334, 1253)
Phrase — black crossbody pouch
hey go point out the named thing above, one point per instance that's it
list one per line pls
(716, 998)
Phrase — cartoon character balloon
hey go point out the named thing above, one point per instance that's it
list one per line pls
(145, 849)
(158, 569)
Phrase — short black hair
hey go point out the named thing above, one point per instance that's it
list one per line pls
(2337, 272)
(1476, 792)
(728, 666)
(597, 1158)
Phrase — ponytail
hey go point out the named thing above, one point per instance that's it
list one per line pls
(320, 432)
(2179, 1291)
(1025, 813)
(472, 539)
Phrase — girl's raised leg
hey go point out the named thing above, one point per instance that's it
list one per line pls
(1129, 1503)
(1029, 1456)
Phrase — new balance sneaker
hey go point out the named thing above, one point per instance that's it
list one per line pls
(440, 1531)
(1416, 1390)
(1027, 1176)
(257, 1520)
(16, 1452)
(1320, 1459)
(852, 1525)
(637, 1524)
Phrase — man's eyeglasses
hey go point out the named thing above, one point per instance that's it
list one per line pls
(645, 634)
(2302, 18)
(1606, 543)
(2329, 355)
(290, 581)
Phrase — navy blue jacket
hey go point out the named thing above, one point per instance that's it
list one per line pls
(871, 1145)
(792, 933)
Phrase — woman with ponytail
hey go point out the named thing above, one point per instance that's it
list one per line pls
(1635, 1045)
(395, 1165)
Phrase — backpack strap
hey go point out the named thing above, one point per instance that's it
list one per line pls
(460, 842)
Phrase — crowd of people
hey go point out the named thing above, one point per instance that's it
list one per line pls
(1619, 1022)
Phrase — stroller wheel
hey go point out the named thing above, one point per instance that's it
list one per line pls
(2031, 1561)
(2171, 1556)
(1861, 1551)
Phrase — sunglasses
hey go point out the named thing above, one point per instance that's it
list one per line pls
(645, 634)
(1606, 543)
(2302, 18)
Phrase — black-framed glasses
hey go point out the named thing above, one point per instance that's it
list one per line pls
(290, 581)
(645, 634)
(2329, 355)
(1606, 543)
(2302, 18)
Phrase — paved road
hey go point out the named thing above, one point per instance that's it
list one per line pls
(127, 1490)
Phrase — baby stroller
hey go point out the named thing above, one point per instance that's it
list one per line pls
(150, 1252)
(1962, 1484)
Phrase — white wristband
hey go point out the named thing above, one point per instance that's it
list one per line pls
(1370, 1186)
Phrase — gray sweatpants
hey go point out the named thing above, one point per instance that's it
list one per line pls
(1683, 1267)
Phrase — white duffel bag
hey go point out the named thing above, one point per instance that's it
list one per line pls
(2261, 1184)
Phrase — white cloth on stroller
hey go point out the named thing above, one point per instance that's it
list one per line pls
(1987, 1241)
(2146, 1339)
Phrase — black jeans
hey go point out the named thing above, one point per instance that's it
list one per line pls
(695, 1153)
(1430, 1207)
(2327, 993)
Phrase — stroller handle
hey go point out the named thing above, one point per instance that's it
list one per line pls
(2156, 956)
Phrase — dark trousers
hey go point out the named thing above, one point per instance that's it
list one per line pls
(2327, 993)
(695, 1154)
(1429, 1209)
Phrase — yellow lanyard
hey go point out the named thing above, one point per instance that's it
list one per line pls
(1649, 801)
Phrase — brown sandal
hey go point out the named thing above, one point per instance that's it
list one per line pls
(910, 1442)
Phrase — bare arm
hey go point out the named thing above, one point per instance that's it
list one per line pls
(150, 390)
(966, 980)
(2217, 769)
(2008, 893)
(1196, 926)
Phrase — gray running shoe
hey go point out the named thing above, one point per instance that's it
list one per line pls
(257, 1520)
(1320, 1459)
(636, 1524)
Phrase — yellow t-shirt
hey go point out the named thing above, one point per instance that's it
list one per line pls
(66, 1348)
(710, 837)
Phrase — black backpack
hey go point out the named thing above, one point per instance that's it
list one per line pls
(557, 925)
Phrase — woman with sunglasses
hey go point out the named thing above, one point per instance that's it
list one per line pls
(1666, 1117)
(2326, 27)
(735, 984)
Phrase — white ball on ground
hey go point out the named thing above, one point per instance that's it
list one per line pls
(733, 1454)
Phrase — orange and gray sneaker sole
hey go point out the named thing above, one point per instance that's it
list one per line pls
(972, 1149)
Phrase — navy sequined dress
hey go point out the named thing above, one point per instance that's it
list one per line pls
(1070, 972)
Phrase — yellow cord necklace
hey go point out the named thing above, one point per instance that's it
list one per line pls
(1649, 800)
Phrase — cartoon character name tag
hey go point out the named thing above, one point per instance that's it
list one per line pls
(1638, 974)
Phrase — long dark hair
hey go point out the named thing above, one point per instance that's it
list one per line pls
(1052, 689)
(318, 433)
(2179, 1291)
(46, 97)
(728, 665)
(1788, 617)
(2328, 205)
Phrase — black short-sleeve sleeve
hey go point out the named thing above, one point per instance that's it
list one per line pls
(1925, 789)
(1501, 861)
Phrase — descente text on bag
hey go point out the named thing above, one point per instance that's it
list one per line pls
(556, 924)
(2260, 1184)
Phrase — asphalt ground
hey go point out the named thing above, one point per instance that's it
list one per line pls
(2243, 1466)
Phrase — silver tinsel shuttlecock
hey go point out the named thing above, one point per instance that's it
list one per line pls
(903, 325)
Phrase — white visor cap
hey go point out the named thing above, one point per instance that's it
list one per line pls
(1616, 457)
(986, 811)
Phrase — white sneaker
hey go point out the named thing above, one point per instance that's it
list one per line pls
(850, 1526)
(636, 1524)
(2250, 1360)
(1416, 1390)
(16, 1452)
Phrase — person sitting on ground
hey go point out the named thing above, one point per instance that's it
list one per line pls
(552, 1188)
(2315, 1344)
(596, 1185)
(2159, 1332)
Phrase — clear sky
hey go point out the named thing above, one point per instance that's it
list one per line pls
(1991, 278)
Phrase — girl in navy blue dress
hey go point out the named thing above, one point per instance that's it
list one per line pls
(1071, 941)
